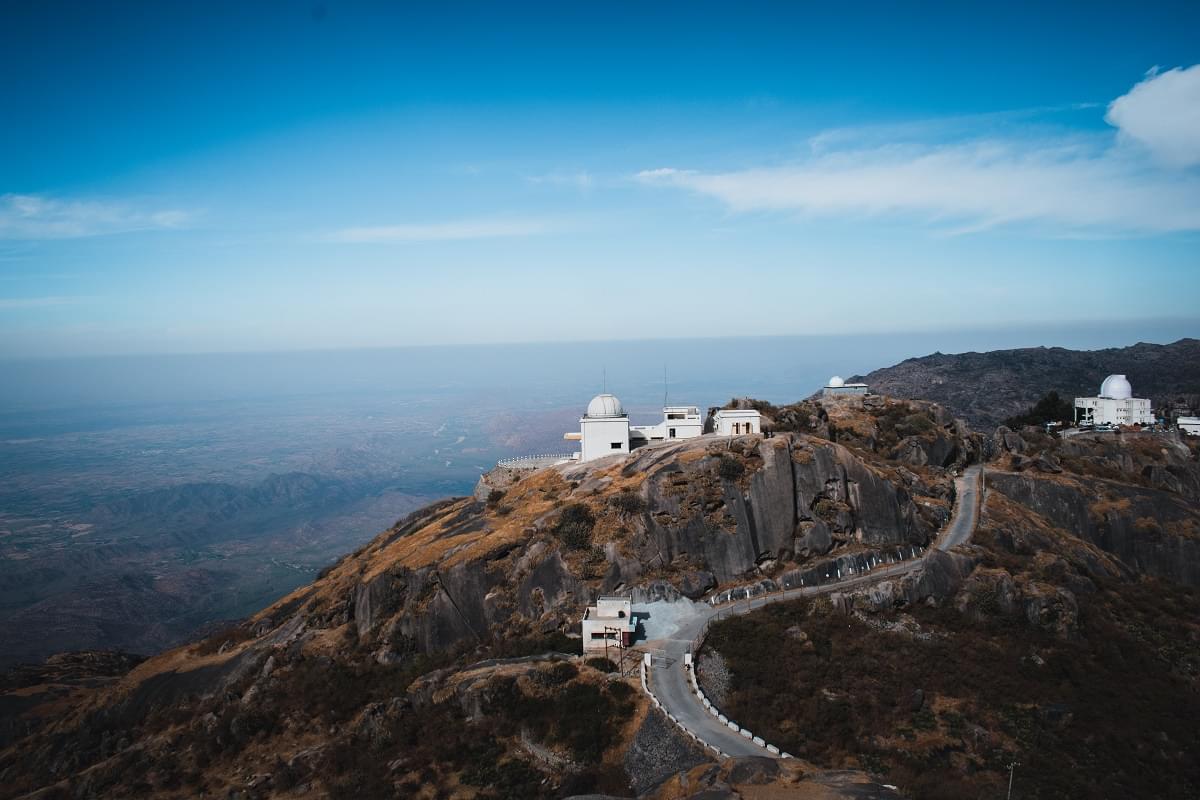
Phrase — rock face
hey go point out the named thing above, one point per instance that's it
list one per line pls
(801, 497)
(1154, 532)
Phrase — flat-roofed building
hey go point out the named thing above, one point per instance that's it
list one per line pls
(609, 623)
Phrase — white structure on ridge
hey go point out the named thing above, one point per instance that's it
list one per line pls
(1115, 405)
(609, 623)
(736, 421)
(605, 430)
(1189, 425)
(837, 387)
(679, 422)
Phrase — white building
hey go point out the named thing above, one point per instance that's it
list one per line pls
(1115, 405)
(679, 422)
(1189, 425)
(609, 623)
(736, 421)
(605, 430)
(837, 387)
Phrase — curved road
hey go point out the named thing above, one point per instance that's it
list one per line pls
(669, 681)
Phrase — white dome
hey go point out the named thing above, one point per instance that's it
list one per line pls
(605, 405)
(837, 382)
(1116, 387)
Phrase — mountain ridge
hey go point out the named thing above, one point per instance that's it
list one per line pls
(985, 388)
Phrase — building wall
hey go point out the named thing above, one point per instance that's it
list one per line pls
(851, 390)
(599, 435)
(1110, 411)
(1189, 425)
(735, 422)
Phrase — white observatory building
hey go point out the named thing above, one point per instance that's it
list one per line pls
(605, 430)
(837, 387)
(1115, 405)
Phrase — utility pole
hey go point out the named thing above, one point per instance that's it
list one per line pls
(1011, 769)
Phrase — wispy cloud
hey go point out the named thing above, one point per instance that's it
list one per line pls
(1062, 182)
(451, 230)
(36, 217)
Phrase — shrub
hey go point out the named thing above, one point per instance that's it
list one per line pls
(495, 496)
(628, 502)
(730, 469)
(601, 663)
(574, 526)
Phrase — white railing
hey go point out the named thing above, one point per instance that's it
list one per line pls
(539, 460)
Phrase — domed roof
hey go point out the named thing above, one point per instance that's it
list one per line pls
(605, 405)
(837, 382)
(1116, 387)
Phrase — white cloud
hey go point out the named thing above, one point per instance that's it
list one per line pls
(452, 230)
(1162, 113)
(1064, 183)
(35, 217)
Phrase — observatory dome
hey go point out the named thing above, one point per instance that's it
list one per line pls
(1116, 387)
(605, 405)
(837, 382)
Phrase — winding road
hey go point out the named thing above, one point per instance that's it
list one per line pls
(669, 680)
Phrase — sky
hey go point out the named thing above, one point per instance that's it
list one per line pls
(222, 177)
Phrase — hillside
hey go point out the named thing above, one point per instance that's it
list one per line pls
(438, 660)
(988, 388)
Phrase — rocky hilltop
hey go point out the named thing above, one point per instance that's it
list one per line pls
(437, 661)
(988, 388)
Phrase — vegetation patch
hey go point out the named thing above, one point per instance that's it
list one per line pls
(1106, 714)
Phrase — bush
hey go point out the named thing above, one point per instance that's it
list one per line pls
(495, 496)
(730, 468)
(574, 526)
(628, 502)
(914, 424)
(601, 663)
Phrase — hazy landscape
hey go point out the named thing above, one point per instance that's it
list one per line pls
(552, 401)
(146, 499)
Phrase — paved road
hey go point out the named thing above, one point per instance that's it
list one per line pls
(969, 489)
(669, 681)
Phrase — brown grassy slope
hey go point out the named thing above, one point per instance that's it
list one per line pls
(1094, 694)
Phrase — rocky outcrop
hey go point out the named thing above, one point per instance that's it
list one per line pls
(801, 497)
(1154, 532)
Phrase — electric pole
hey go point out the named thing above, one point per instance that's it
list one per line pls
(1012, 768)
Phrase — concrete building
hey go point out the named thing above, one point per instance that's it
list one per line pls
(679, 422)
(605, 430)
(609, 623)
(736, 421)
(1115, 405)
(837, 387)
(1189, 425)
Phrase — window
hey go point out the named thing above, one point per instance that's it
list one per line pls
(671, 432)
(615, 446)
(674, 416)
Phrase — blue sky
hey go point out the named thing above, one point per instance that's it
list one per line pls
(182, 177)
